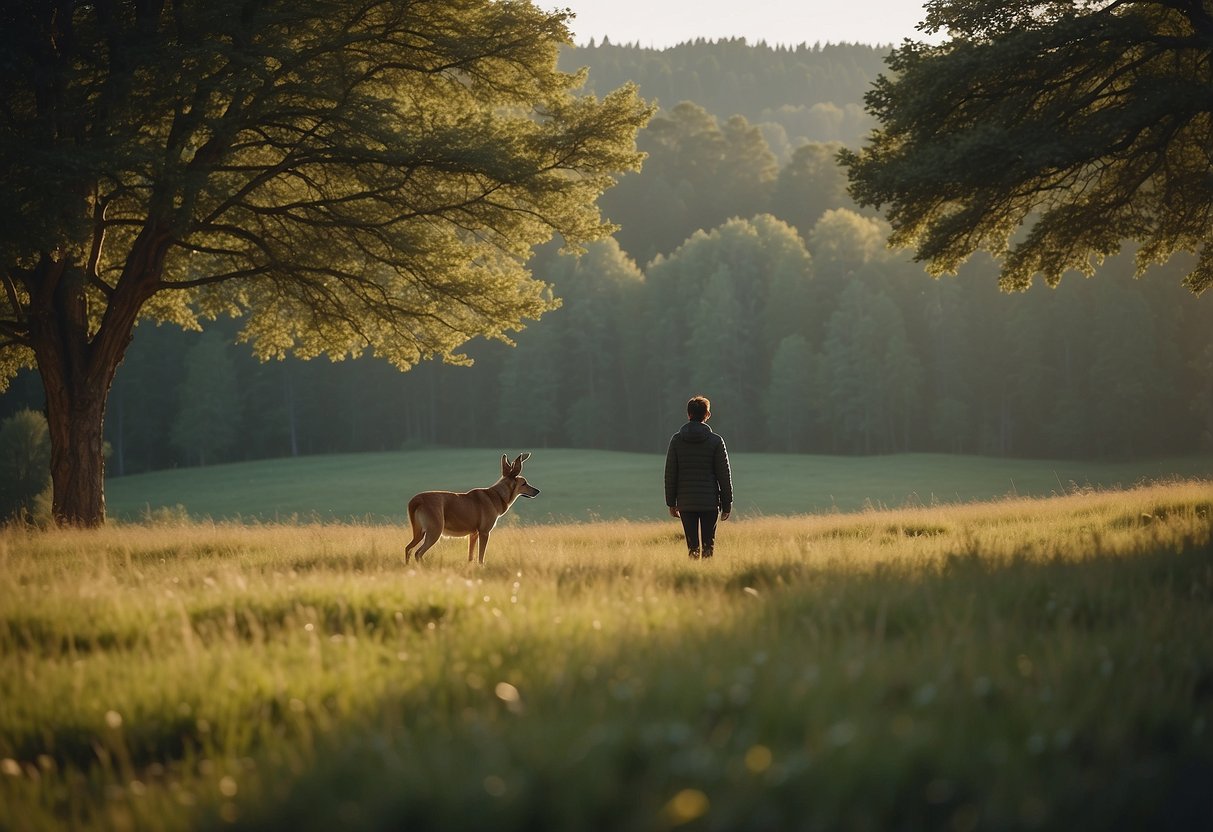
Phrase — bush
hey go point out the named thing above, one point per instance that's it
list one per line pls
(25, 462)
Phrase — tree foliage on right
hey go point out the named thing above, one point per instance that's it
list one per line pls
(1047, 132)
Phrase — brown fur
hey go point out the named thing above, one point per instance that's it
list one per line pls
(433, 514)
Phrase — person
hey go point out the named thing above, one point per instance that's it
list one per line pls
(698, 482)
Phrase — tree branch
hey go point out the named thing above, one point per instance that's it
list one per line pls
(15, 333)
(212, 280)
(14, 300)
(94, 256)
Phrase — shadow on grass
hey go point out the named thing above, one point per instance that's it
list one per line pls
(981, 694)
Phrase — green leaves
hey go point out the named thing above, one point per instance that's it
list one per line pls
(1046, 133)
(346, 176)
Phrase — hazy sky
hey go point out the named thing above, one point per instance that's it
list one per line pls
(661, 23)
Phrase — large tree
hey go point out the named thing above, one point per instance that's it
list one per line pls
(1047, 132)
(348, 176)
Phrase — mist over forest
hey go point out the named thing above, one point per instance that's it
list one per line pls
(742, 271)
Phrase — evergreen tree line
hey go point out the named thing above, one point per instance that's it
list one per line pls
(794, 94)
(826, 345)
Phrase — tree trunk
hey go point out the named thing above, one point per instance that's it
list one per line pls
(75, 418)
(77, 371)
(75, 397)
(119, 434)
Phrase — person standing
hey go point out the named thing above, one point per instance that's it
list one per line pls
(698, 482)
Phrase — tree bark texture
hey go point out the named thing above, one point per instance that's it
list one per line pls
(77, 370)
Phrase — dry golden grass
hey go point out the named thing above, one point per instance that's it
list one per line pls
(1029, 663)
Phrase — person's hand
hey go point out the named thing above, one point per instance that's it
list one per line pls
(724, 515)
(674, 511)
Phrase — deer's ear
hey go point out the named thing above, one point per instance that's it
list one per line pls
(523, 457)
(505, 466)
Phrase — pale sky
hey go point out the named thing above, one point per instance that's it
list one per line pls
(662, 23)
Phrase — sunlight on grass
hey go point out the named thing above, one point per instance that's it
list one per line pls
(1029, 663)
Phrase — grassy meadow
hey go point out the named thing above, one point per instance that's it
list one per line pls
(1026, 663)
(581, 486)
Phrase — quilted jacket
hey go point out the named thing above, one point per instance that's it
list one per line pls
(697, 475)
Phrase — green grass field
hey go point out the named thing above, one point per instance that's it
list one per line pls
(588, 485)
(1020, 664)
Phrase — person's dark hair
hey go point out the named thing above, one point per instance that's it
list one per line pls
(698, 407)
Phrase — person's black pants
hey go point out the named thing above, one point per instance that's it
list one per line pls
(700, 526)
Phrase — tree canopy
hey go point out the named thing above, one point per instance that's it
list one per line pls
(1047, 132)
(344, 176)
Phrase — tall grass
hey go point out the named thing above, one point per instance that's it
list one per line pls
(1028, 663)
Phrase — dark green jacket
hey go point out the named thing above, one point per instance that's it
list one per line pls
(697, 476)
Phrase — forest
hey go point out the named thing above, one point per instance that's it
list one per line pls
(741, 270)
